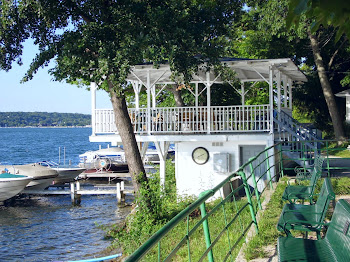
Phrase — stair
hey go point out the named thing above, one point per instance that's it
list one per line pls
(288, 130)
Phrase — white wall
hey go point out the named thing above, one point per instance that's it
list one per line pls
(192, 179)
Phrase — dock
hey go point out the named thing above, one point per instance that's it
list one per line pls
(76, 191)
(110, 175)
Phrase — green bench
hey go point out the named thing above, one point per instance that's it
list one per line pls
(307, 217)
(303, 173)
(293, 193)
(335, 246)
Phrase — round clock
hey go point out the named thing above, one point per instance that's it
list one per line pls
(200, 155)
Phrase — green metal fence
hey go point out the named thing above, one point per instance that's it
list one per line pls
(234, 203)
(215, 226)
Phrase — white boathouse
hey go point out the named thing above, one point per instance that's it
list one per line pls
(210, 141)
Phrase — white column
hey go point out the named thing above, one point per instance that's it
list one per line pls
(279, 102)
(143, 150)
(347, 108)
(93, 88)
(137, 88)
(148, 102)
(285, 90)
(196, 94)
(290, 93)
(208, 102)
(162, 149)
(272, 159)
(271, 97)
(242, 93)
(153, 92)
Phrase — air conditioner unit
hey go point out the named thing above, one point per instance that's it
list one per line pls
(221, 162)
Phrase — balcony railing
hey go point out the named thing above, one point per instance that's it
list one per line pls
(176, 120)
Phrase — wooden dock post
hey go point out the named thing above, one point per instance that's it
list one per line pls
(120, 194)
(75, 197)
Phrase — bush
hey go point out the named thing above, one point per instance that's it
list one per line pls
(142, 223)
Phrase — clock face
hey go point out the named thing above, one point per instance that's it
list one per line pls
(200, 155)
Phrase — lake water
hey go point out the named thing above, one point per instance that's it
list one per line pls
(49, 228)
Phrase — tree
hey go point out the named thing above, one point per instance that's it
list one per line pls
(269, 18)
(335, 13)
(98, 41)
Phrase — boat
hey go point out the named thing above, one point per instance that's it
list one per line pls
(42, 176)
(107, 159)
(66, 173)
(11, 185)
(113, 159)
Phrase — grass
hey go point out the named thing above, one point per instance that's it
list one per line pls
(333, 149)
(343, 152)
(226, 228)
(267, 225)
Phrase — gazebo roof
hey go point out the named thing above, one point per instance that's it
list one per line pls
(247, 70)
(344, 93)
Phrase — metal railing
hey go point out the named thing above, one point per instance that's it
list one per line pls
(176, 120)
(234, 206)
(290, 129)
(238, 199)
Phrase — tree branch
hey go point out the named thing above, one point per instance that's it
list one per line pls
(335, 53)
(79, 12)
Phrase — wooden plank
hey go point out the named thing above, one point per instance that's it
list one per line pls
(79, 192)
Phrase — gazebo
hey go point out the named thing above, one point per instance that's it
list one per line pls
(227, 135)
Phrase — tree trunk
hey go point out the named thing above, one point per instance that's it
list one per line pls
(326, 87)
(177, 96)
(132, 153)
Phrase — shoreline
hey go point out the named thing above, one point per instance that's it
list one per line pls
(89, 126)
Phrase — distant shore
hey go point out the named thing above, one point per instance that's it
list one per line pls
(89, 126)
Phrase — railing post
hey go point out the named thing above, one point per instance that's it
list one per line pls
(255, 183)
(247, 192)
(281, 160)
(268, 168)
(206, 228)
(327, 155)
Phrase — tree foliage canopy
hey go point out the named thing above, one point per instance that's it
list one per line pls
(324, 12)
(99, 40)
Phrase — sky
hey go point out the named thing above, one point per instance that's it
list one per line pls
(42, 94)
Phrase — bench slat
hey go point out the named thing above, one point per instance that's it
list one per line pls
(307, 217)
(334, 247)
(293, 193)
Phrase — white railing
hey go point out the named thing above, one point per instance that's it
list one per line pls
(175, 120)
(290, 129)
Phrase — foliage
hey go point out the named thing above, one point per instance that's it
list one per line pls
(335, 13)
(100, 41)
(22, 119)
(141, 224)
(340, 185)
(264, 34)
(164, 99)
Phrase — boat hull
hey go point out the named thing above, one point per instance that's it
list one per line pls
(9, 187)
(42, 176)
(66, 175)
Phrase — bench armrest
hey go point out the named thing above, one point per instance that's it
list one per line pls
(315, 225)
(302, 194)
(302, 212)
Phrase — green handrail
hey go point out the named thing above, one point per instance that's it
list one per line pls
(268, 165)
